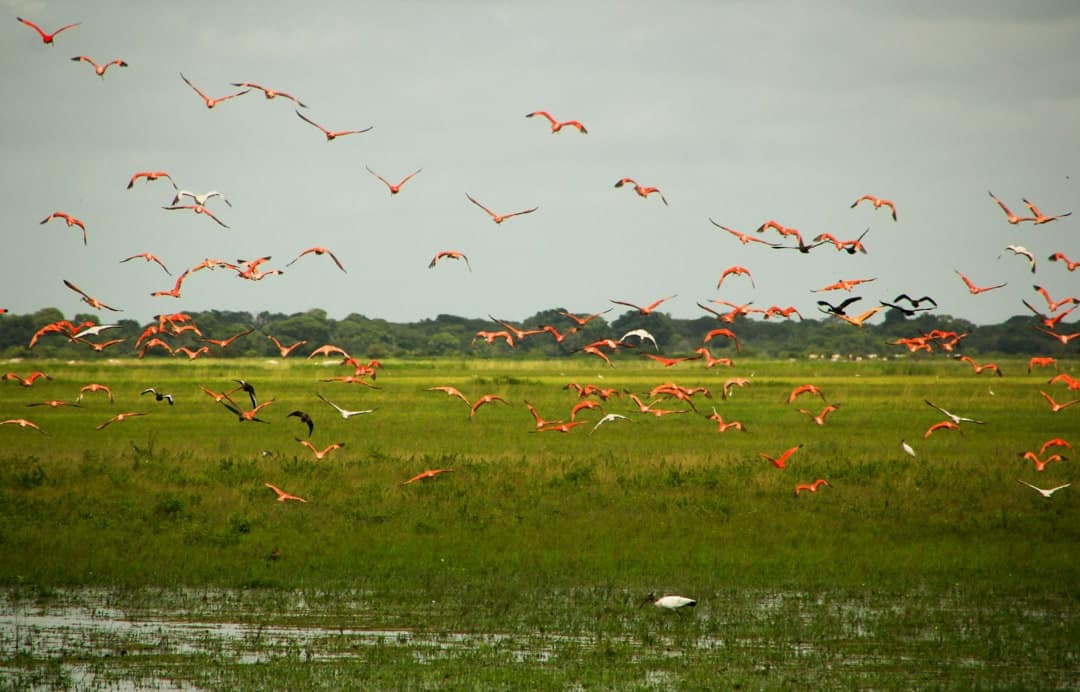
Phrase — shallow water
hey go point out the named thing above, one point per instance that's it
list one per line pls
(69, 637)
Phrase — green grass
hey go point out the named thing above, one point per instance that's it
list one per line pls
(935, 571)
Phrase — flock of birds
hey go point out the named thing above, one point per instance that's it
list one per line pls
(177, 334)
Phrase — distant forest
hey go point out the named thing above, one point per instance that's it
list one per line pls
(448, 335)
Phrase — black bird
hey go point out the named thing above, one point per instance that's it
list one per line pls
(831, 309)
(249, 388)
(915, 302)
(306, 420)
(908, 312)
(800, 246)
(158, 395)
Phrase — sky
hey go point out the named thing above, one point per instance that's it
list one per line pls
(738, 111)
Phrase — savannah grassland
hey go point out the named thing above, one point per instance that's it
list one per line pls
(526, 565)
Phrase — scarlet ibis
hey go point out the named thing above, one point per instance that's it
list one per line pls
(247, 416)
(149, 258)
(1011, 217)
(394, 188)
(210, 103)
(499, 218)
(121, 417)
(449, 254)
(47, 38)
(976, 290)
(69, 219)
(331, 134)
(27, 381)
(283, 496)
(781, 461)
(540, 420)
(1060, 257)
(1040, 464)
(149, 176)
(89, 300)
(811, 487)
(1041, 218)
(843, 285)
(805, 389)
(425, 475)
(175, 290)
(557, 125)
(1054, 442)
(328, 350)
(269, 93)
(737, 270)
(644, 310)
(977, 368)
(819, 419)
(228, 341)
(318, 251)
(22, 423)
(641, 189)
(321, 454)
(450, 391)
(99, 70)
(198, 209)
(743, 237)
(92, 388)
(877, 202)
(582, 320)
(485, 399)
(55, 403)
(1053, 305)
(942, 425)
(1054, 405)
(283, 349)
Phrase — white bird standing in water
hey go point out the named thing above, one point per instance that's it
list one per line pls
(671, 603)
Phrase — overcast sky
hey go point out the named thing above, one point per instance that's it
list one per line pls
(738, 111)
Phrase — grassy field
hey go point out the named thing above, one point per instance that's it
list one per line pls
(525, 566)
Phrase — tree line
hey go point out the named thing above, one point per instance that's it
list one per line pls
(450, 335)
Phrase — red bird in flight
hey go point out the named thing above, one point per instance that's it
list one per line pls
(47, 38)
(210, 103)
(331, 134)
(557, 125)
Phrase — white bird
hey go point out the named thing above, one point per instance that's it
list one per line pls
(641, 334)
(671, 603)
(94, 331)
(200, 199)
(1045, 493)
(953, 417)
(1023, 252)
(346, 414)
(609, 418)
(907, 448)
